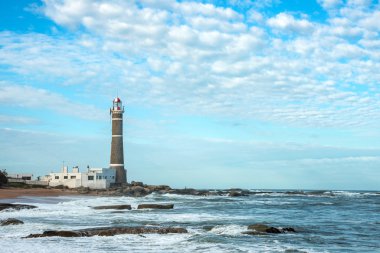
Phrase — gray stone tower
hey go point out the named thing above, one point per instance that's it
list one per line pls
(117, 152)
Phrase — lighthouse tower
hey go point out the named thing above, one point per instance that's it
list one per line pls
(117, 153)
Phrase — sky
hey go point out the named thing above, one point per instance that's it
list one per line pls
(253, 94)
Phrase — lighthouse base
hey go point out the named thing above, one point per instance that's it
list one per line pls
(120, 175)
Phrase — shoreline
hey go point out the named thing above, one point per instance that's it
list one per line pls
(12, 193)
(141, 190)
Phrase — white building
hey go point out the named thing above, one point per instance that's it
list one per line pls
(22, 176)
(94, 178)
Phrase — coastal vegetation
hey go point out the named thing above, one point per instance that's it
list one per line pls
(3, 177)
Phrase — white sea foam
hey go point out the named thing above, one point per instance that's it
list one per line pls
(228, 229)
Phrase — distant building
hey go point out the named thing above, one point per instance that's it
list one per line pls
(22, 176)
(94, 178)
(25, 179)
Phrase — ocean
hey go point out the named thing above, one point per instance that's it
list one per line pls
(325, 221)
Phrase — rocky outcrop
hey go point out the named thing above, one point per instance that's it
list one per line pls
(255, 229)
(135, 191)
(115, 207)
(5, 206)
(289, 229)
(237, 194)
(139, 189)
(155, 206)
(134, 183)
(110, 231)
(11, 221)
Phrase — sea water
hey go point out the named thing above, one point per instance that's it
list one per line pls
(325, 221)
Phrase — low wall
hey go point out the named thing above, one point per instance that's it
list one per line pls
(31, 182)
(70, 183)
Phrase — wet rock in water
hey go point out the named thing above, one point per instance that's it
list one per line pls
(56, 233)
(5, 206)
(292, 230)
(259, 228)
(237, 194)
(252, 232)
(11, 221)
(262, 228)
(208, 227)
(116, 207)
(110, 231)
(273, 230)
(155, 206)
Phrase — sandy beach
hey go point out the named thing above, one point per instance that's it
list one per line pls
(10, 193)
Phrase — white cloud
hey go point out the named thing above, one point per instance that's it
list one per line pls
(8, 119)
(255, 16)
(287, 23)
(371, 21)
(30, 97)
(359, 3)
(205, 59)
(328, 4)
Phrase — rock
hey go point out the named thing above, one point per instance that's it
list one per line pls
(4, 206)
(133, 183)
(261, 228)
(208, 227)
(11, 221)
(273, 230)
(252, 232)
(117, 207)
(186, 191)
(158, 188)
(235, 194)
(292, 230)
(155, 206)
(136, 191)
(57, 233)
(110, 231)
(238, 193)
(83, 190)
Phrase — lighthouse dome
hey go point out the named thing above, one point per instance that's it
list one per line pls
(117, 100)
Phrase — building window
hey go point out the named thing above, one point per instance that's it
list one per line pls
(73, 177)
(105, 177)
(56, 177)
(90, 177)
(64, 177)
(100, 177)
(113, 177)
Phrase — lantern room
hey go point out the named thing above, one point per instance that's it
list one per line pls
(117, 105)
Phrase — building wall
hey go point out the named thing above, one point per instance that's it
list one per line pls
(101, 179)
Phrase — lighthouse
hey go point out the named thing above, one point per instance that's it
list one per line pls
(117, 152)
